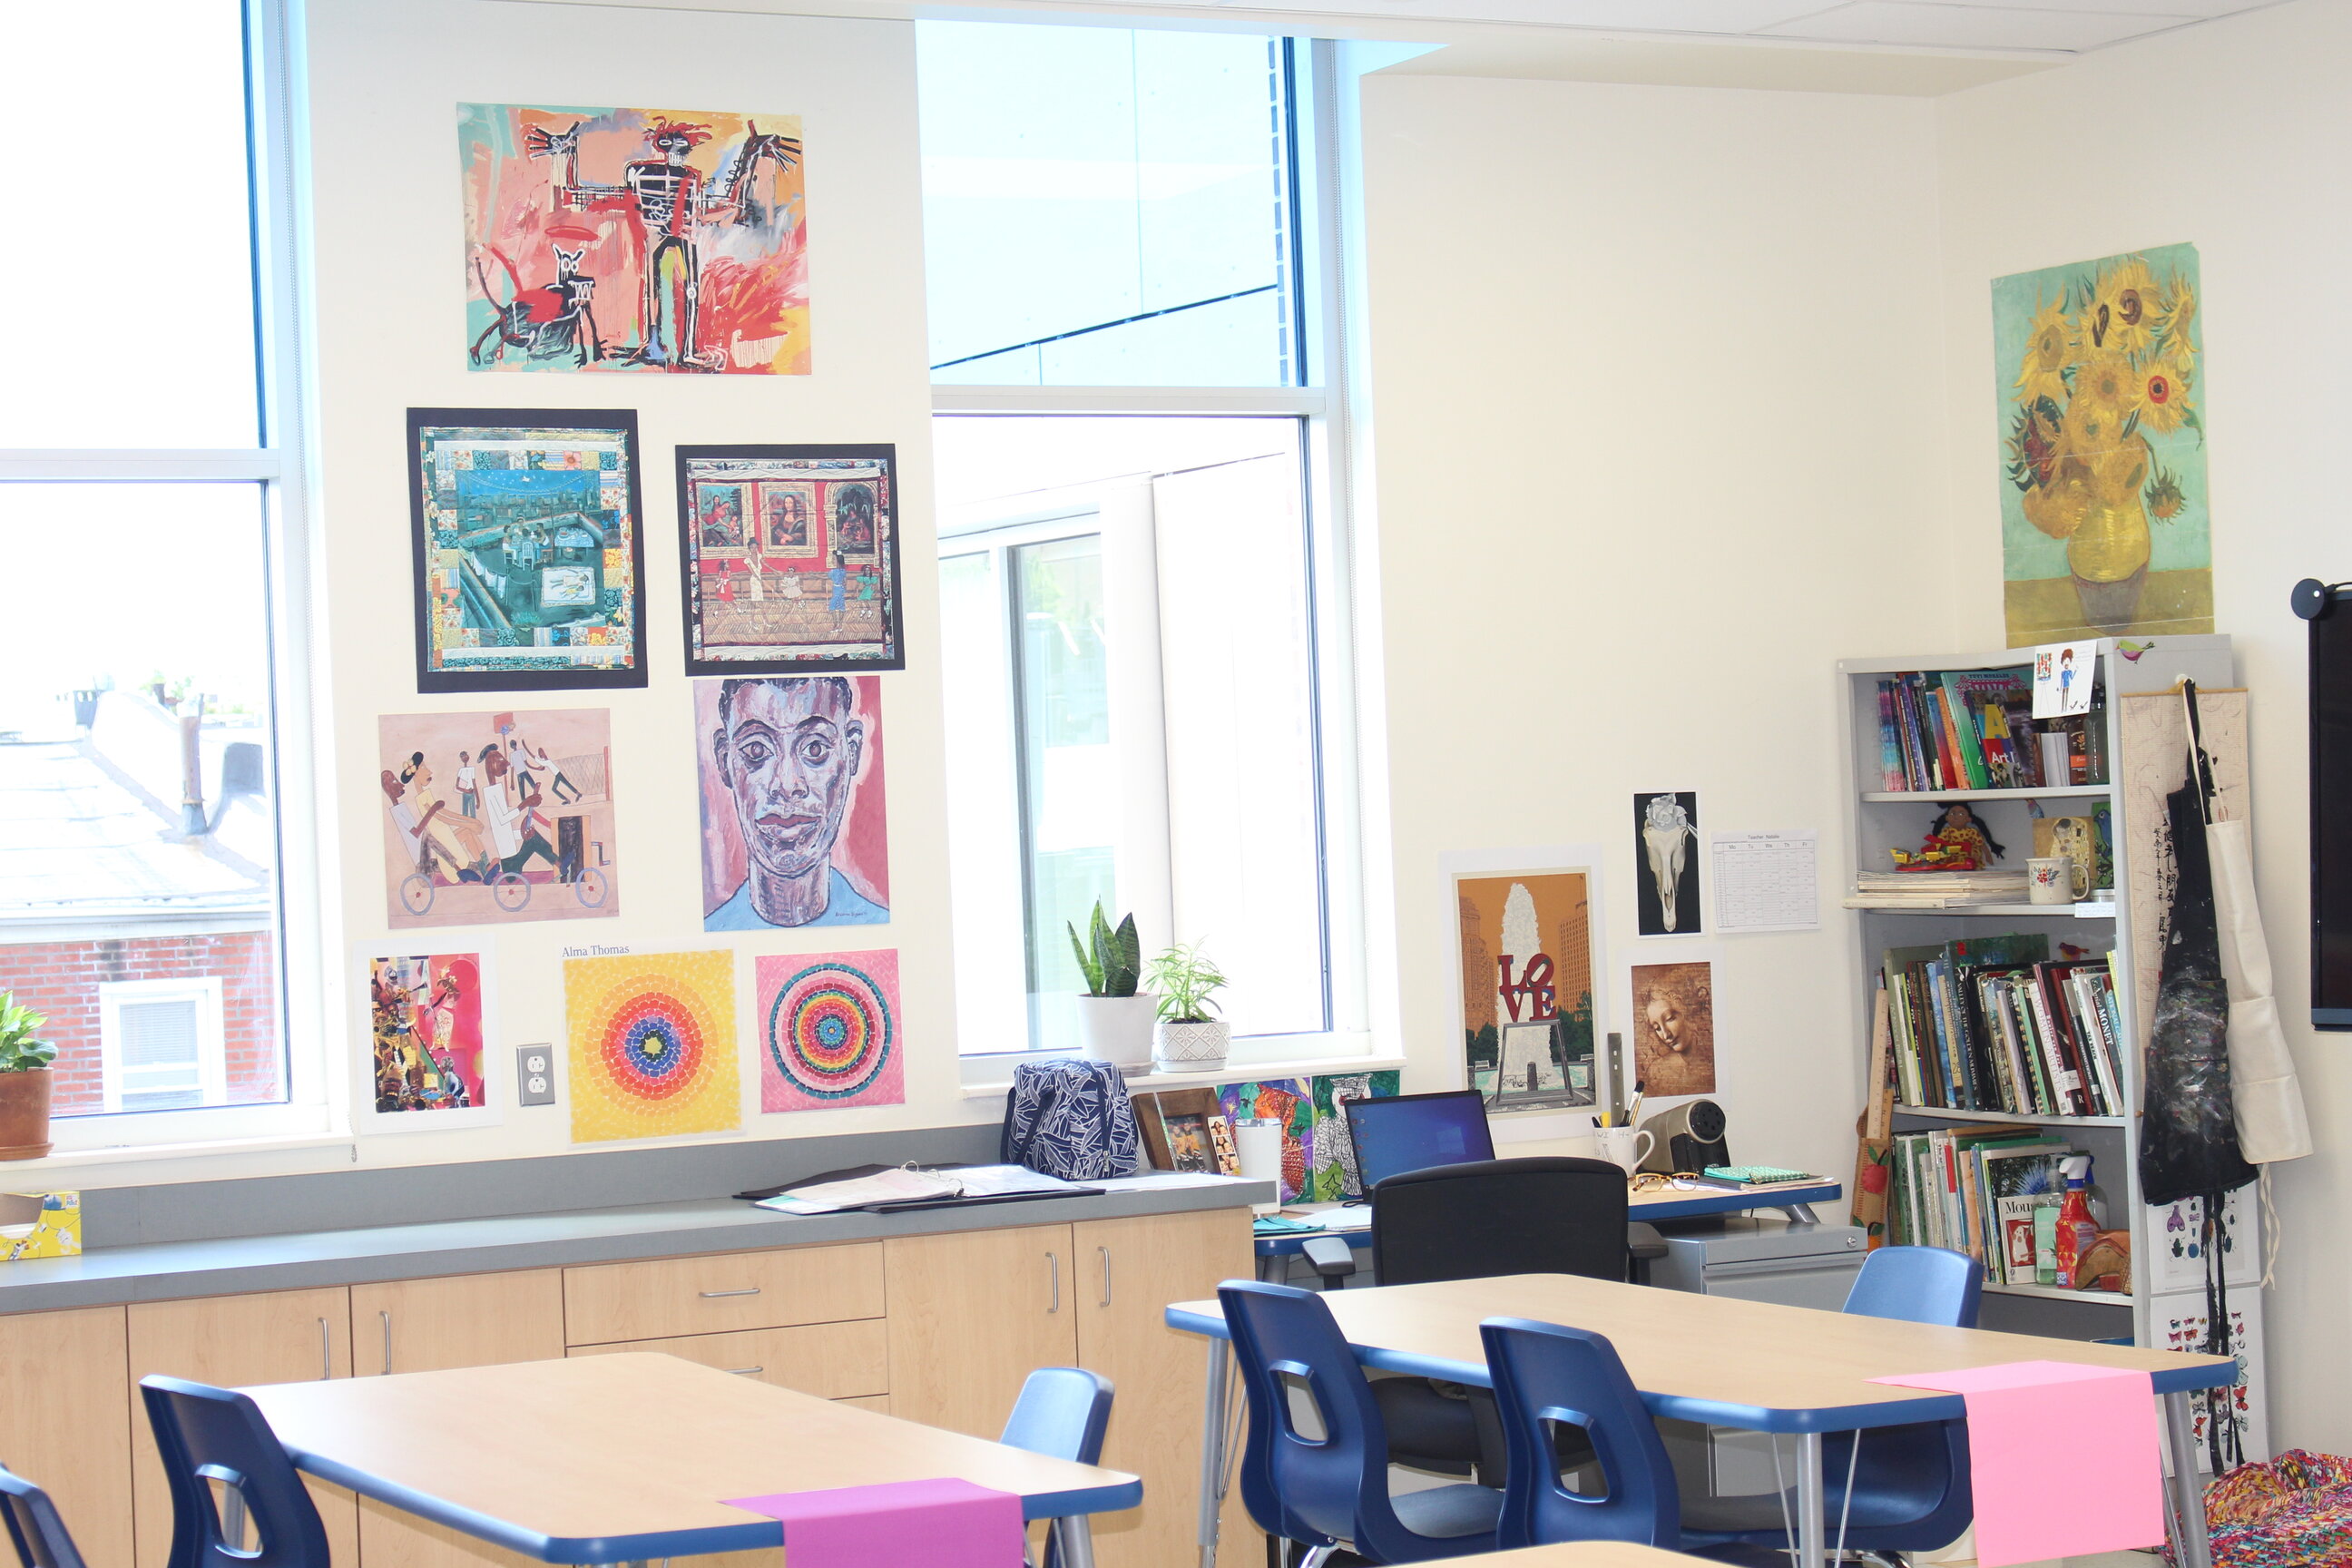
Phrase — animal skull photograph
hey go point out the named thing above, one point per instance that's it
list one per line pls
(1665, 864)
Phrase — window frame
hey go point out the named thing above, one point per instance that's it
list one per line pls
(1320, 284)
(277, 465)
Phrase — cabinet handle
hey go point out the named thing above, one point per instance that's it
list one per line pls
(744, 1370)
(1053, 1274)
(747, 1291)
(387, 1342)
(326, 1351)
(1104, 1252)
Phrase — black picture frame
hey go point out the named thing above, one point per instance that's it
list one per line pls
(432, 673)
(815, 541)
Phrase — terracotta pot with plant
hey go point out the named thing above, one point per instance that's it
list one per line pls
(24, 1076)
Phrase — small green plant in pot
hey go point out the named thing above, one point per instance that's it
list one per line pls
(1188, 1039)
(1114, 1019)
(24, 1079)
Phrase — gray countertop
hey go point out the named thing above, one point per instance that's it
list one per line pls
(167, 1270)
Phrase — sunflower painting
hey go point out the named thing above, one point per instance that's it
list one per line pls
(2104, 525)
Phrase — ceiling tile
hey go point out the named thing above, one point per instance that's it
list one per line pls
(1970, 27)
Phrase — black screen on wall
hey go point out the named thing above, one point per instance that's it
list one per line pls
(2331, 818)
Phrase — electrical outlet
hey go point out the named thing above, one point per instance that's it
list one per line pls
(534, 1075)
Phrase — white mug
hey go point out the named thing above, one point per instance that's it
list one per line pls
(1625, 1147)
(2054, 880)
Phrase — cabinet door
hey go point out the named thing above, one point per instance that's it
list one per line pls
(432, 1325)
(972, 1313)
(283, 1336)
(63, 1421)
(1128, 1272)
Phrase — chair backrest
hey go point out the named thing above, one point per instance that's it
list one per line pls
(1545, 1373)
(1547, 1215)
(1063, 1412)
(204, 1434)
(1311, 1487)
(1918, 1284)
(34, 1527)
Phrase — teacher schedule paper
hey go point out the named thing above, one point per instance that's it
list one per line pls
(1766, 881)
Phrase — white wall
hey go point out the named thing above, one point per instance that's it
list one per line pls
(1655, 372)
(383, 83)
(2231, 136)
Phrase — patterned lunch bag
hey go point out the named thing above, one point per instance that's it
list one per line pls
(1071, 1120)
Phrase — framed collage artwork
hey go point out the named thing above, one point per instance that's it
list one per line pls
(788, 558)
(526, 527)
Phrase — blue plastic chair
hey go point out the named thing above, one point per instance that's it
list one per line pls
(1910, 1489)
(1061, 1413)
(204, 1435)
(1330, 1487)
(34, 1527)
(1545, 1376)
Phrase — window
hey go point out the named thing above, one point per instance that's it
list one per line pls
(1107, 209)
(148, 496)
(1143, 586)
(162, 1044)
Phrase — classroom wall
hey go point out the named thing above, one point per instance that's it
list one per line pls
(2230, 136)
(384, 84)
(1657, 401)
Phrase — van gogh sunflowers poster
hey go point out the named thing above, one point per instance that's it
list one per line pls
(2104, 525)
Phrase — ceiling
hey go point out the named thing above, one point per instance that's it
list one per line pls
(2033, 26)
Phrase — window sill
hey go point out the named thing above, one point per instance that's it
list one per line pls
(155, 1154)
(1232, 1072)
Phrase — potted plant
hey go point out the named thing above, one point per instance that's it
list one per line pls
(1114, 1022)
(25, 1077)
(1186, 1038)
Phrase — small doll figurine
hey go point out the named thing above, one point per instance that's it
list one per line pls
(1955, 842)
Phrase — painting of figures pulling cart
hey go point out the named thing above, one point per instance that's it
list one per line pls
(495, 818)
(661, 241)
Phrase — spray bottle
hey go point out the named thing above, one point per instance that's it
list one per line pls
(2078, 1231)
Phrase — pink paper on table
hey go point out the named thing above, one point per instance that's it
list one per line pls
(945, 1523)
(2065, 1457)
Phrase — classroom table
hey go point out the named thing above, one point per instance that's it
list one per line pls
(1755, 1365)
(1577, 1555)
(625, 1457)
(1647, 1206)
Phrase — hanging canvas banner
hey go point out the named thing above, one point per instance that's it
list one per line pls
(634, 239)
(2098, 369)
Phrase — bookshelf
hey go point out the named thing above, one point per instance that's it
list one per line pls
(1878, 820)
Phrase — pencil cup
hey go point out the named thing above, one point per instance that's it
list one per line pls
(1259, 1144)
(1625, 1147)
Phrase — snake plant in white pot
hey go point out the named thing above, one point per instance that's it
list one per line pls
(1187, 1039)
(1114, 1021)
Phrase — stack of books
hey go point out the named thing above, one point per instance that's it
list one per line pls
(1975, 1190)
(1971, 729)
(1993, 1024)
(1936, 889)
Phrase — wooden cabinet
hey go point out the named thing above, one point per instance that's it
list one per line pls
(465, 1320)
(972, 1313)
(65, 1421)
(605, 1303)
(433, 1325)
(832, 1361)
(1128, 1271)
(283, 1336)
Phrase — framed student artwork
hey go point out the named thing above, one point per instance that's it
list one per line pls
(788, 559)
(526, 530)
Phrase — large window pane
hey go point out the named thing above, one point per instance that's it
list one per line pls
(138, 834)
(129, 265)
(1104, 207)
(1129, 649)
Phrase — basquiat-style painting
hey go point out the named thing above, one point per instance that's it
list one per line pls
(634, 239)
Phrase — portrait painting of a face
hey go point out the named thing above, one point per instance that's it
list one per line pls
(1674, 1027)
(793, 828)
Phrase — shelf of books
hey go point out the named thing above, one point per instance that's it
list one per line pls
(2014, 1030)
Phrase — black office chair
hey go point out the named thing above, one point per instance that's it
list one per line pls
(1552, 1214)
